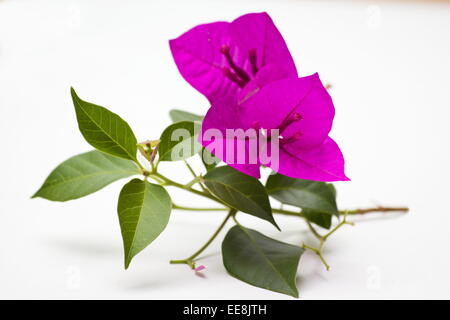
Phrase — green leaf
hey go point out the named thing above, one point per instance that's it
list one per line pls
(179, 141)
(240, 191)
(306, 194)
(180, 115)
(84, 174)
(321, 219)
(209, 160)
(144, 211)
(333, 189)
(261, 261)
(317, 217)
(104, 130)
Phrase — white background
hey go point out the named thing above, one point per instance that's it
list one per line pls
(390, 67)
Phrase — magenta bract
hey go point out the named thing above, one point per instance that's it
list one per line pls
(245, 70)
(224, 58)
(300, 109)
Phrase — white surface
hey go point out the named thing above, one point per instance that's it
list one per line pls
(389, 64)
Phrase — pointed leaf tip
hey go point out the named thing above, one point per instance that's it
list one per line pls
(104, 130)
(144, 210)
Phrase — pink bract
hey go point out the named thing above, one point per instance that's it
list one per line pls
(224, 58)
(301, 109)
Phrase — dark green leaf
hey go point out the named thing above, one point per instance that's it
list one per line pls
(180, 115)
(261, 261)
(144, 211)
(333, 189)
(306, 194)
(240, 191)
(84, 174)
(209, 161)
(179, 141)
(319, 218)
(104, 130)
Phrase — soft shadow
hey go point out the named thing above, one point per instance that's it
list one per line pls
(304, 281)
(142, 284)
(84, 247)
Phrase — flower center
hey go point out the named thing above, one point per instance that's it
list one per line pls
(296, 136)
(291, 118)
(234, 72)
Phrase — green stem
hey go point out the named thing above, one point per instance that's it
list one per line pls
(143, 170)
(188, 187)
(318, 252)
(339, 225)
(197, 179)
(299, 214)
(377, 209)
(288, 212)
(313, 230)
(192, 182)
(170, 182)
(174, 206)
(236, 221)
(190, 260)
(322, 239)
(190, 168)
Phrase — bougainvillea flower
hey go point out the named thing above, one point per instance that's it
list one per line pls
(302, 112)
(228, 58)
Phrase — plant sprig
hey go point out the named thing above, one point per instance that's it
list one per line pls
(144, 207)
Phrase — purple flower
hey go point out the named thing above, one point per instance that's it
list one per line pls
(299, 109)
(236, 58)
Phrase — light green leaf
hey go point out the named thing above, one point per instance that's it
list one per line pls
(84, 174)
(180, 115)
(144, 211)
(104, 130)
(209, 160)
(240, 191)
(261, 261)
(179, 141)
(306, 194)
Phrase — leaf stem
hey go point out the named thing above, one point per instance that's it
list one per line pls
(313, 230)
(197, 179)
(192, 182)
(190, 260)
